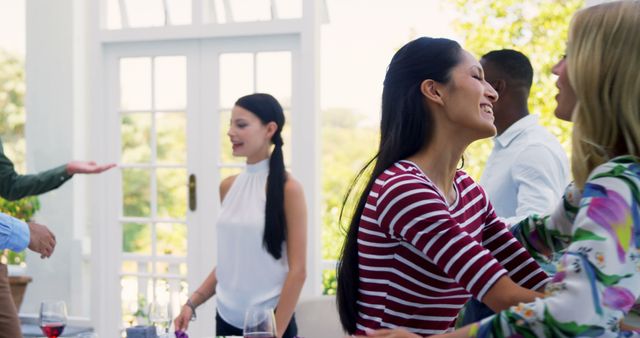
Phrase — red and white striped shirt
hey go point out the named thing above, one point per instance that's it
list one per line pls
(421, 259)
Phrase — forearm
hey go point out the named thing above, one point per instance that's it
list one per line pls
(16, 186)
(14, 234)
(206, 290)
(470, 330)
(505, 293)
(288, 299)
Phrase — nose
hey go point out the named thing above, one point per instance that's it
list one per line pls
(490, 92)
(555, 70)
(230, 131)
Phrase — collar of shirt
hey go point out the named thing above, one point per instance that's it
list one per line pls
(515, 129)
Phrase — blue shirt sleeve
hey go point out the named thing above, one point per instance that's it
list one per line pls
(14, 233)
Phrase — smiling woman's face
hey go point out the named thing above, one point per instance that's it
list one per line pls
(468, 99)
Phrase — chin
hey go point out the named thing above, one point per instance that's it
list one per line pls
(563, 114)
(481, 133)
(489, 130)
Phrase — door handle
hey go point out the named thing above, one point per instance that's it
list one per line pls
(192, 192)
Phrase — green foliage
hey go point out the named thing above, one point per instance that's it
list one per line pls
(12, 119)
(347, 144)
(537, 28)
(345, 149)
(141, 307)
(12, 113)
(329, 282)
(23, 209)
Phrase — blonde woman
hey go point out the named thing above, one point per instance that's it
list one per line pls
(598, 279)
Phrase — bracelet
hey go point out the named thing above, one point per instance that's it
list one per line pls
(190, 304)
(473, 330)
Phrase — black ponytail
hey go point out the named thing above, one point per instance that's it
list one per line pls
(267, 108)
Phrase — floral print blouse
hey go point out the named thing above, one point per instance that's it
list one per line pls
(598, 276)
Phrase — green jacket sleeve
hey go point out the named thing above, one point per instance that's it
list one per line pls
(14, 186)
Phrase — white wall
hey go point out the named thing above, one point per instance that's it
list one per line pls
(55, 115)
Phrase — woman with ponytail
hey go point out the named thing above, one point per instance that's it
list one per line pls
(261, 228)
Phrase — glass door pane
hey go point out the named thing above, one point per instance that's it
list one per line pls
(153, 105)
(246, 73)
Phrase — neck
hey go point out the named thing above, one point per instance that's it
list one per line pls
(439, 161)
(510, 114)
(253, 159)
(511, 107)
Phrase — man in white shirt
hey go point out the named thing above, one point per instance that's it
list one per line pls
(527, 170)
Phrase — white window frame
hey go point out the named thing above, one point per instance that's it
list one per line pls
(193, 41)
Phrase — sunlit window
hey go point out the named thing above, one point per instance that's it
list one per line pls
(154, 175)
(123, 14)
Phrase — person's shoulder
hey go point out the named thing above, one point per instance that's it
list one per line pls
(400, 177)
(461, 177)
(619, 166)
(226, 184)
(292, 186)
(464, 182)
(402, 170)
(539, 148)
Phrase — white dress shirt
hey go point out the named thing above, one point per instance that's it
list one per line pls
(526, 172)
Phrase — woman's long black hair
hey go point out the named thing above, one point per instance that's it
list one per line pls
(268, 109)
(406, 126)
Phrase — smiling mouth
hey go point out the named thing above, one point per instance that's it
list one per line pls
(487, 109)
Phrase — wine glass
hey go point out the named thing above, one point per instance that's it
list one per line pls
(53, 318)
(259, 322)
(160, 316)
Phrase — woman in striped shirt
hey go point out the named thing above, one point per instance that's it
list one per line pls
(598, 278)
(424, 237)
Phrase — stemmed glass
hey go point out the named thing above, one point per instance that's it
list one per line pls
(160, 316)
(53, 318)
(259, 322)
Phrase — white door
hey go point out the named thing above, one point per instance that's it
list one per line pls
(168, 109)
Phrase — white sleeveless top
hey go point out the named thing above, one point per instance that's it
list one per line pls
(247, 274)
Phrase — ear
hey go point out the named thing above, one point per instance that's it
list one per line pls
(499, 85)
(272, 127)
(432, 91)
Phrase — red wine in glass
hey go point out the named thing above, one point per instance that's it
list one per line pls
(53, 318)
(52, 330)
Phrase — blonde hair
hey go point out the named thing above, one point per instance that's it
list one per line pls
(603, 64)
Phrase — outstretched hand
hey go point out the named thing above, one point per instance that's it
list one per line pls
(79, 167)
